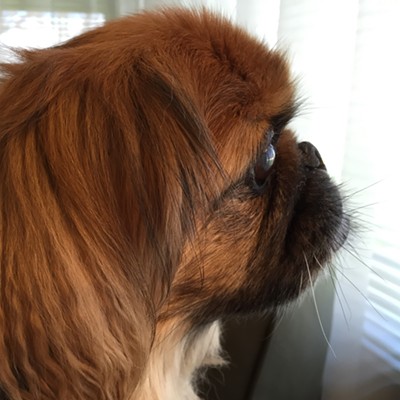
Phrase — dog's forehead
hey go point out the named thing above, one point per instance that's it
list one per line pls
(237, 84)
(241, 84)
(227, 64)
(205, 52)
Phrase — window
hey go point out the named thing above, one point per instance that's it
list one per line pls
(45, 23)
(346, 53)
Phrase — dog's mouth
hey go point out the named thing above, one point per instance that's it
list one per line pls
(315, 228)
(257, 250)
(319, 226)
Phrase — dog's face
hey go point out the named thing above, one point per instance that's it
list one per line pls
(266, 238)
(148, 176)
(271, 217)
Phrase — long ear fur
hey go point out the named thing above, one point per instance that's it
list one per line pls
(98, 183)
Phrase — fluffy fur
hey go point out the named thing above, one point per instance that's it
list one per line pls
(132, 212)
(175, 361)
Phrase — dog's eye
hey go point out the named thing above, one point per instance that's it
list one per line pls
(263, 165)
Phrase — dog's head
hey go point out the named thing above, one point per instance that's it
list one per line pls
(147, 175)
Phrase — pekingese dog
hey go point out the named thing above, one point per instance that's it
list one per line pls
(148, 188)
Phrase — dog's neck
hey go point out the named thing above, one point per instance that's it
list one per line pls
(172, 371)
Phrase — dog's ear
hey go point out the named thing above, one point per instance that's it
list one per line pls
(76, 308)
(99, 185)
(175, 163)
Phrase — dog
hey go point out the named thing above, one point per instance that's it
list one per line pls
(149, 187)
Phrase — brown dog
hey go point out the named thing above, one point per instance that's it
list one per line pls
(148, 187)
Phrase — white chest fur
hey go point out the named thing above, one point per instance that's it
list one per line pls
(175, 361)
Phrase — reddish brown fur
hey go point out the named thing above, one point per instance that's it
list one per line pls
(114, 151)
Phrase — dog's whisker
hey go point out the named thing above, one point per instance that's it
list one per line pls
(357, 208)
(352, 194)
(365, 297)
(301, 282)
(364, 227)
(334, 270)
(360, 217)
(335, 284)
(316, 306)
(279, 317)
(353, 253)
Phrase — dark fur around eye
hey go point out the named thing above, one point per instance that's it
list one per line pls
(279, 121)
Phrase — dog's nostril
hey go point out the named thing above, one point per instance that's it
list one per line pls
(311, 156)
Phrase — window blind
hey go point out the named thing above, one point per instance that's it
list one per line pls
(373, 124)
(45, 23)
(89, 6)
(347, 57)
(382, 326)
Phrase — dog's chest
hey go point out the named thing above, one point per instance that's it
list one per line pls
(175, 361)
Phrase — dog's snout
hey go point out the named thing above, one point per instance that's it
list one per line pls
(311, 157)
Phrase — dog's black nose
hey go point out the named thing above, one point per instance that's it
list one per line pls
(311, 157)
